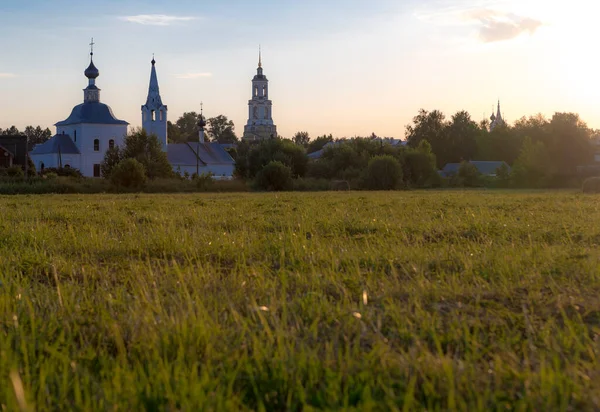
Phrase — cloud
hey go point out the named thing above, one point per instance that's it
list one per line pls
(494, 26)
(193, 75)
(156, 19)
(487, 23)
(7, 75)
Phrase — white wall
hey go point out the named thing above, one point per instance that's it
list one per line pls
(86, 134)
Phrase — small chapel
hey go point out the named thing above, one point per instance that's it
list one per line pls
(82, 139)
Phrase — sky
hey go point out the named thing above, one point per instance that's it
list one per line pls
(341, 67)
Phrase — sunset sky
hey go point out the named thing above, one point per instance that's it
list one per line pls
(346, 67)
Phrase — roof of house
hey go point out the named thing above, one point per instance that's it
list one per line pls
(208, 153)
(484, 167)
(60, 142)
(7, 151)
(92, 112)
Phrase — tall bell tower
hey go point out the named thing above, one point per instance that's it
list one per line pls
(260, 114)
(154, 112)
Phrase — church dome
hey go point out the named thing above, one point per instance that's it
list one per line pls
(92, 72)
(92, 113)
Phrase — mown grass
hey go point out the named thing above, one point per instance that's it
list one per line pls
(356, 301)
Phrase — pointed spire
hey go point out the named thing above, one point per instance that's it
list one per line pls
(154, 100)
(259, 56)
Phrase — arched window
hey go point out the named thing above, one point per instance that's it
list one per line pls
(111, 144)
(160, 115)
(42, 166)
(256, 92)
(96, 145)
(75, 135)
(153, 115)
(264, 91)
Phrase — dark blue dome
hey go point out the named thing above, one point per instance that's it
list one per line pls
(94, 113)
(92, 72)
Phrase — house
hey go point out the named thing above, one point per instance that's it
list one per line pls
(486, 168)
(13, 151)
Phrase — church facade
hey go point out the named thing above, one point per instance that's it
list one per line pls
(260, 123)
(199, 157)
(83, 138)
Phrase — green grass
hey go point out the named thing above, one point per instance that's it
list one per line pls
(456, 300)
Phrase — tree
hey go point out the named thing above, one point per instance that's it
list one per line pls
(383, 173)
(147, 150)
(128, 173)
(569, 144)
(468, 174)
(430, 126)
(419, 166)
(460, 140)
(173, 133)
(187, 126)
(253, 158)
(221, 130)
(532, 166)
(112, 157)
(36, 135)
(318, 143)
(275, 176)
(301, 138)
(11, 131)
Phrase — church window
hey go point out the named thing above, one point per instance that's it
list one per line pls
(153, 115)
(75, 135)
(42, 166)
(96, 145)
(264, 91)
(256, 92)
(160, 115)
(96, 170)
(111, 144)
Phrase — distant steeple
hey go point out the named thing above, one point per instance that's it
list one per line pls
(91, 94)
(497, 119)
(154, 112)
(259, 56)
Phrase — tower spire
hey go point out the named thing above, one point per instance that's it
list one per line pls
(259, 56)
(92, 47)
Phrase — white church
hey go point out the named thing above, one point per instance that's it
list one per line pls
(84, 137)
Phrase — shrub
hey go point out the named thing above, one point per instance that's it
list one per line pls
(128, 173)
(274, 177)
(591, 185)
(311, 185)
(112, 157)
(383, 173)
(62, 171)
(13, 172)
(204, 181)
(468, 174)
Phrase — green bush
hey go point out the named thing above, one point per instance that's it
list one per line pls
(274, 177)
(204, 181)
(112, 157)
(311, 185)
(383, 173)
(591, 185)
(128, 173)
(13, 172)
(62, 171)
(469, 174)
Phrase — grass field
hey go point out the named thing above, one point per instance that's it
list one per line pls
(357, 301)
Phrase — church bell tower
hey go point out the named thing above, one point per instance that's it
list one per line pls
(154, 112)
(260, 117)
